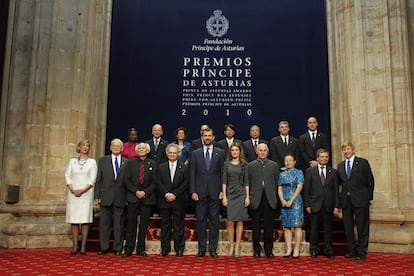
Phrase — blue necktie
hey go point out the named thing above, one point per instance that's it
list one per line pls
(156, 144)
(348, 169)
(207, 159)
(116, 166)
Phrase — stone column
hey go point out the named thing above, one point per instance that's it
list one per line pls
(54, 94)
(371, 98)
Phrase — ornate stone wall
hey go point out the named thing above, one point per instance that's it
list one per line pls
(54, 94)
(372, 105)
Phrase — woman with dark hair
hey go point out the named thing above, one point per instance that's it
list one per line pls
(80, 178)
(235, 195)
(290, 186)
(185, 146)
(128, 150)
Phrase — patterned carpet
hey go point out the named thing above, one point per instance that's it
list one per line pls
(59, 262)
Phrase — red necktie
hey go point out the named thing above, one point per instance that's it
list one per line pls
(322, 176)
(141, 173)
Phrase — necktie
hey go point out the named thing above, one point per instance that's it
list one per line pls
(313, 139)
(207, 159)
(322, 176)
(141, 173)
(156, 144)
(286, 142)
(348, 169)
(255, 144)
(116, 166)
(172, 172)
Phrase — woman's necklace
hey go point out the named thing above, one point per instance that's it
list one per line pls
(82, 162)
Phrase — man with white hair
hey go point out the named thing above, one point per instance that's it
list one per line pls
(140, 179)
(110, 194)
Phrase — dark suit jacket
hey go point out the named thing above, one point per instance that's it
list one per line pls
(306, 149)
(178, 186)
(270, 171)
(359, 188)
(205, 182)
(249, 151)
(109, 189)
(158, 155)
(196, 144)
(278, 149)
(132, 180)
(223, 144)
(315, 194)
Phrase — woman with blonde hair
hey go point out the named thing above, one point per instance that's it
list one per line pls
(80, 178)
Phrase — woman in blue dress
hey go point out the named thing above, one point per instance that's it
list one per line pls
(290, 187)
(181, 136)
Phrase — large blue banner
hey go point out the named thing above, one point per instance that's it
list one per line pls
(188, 62)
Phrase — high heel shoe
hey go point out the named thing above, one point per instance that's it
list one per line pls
(231, 254)
(83, 251)
(236, 255)
(73, 252)
(288, 255)
(295, 256)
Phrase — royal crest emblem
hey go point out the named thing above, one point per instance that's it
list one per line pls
(217, 25)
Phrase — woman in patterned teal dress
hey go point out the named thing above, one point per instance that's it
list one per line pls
(290, 187)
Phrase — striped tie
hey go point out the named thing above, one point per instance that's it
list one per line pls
(141, 173)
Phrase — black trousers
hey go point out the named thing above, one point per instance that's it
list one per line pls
(134, 209)
(359, 216)
(172, 218)
(266, 214)
(327, 219)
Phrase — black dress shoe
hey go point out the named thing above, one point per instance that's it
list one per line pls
(256, 255)
(142, 253)
(330, 256)
(360, 258)
(180, 253)
(213, 254)
(201, 254)
(126, 255)
(314, 255)
(165, 253)
(118, 253)
(270, 255)
(102, 252)
(349, 255)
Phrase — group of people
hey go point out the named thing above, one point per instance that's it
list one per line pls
(251, 178)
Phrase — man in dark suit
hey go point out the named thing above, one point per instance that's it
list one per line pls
(157, 145)
(229, 132)
(172, 186)
(250, 145)
(140, 180)
(110, 193)
(263, 179)
(310, 142)
(198, 143)
(321, 201)
(205, 188)
(357, 191)
(282, 144)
